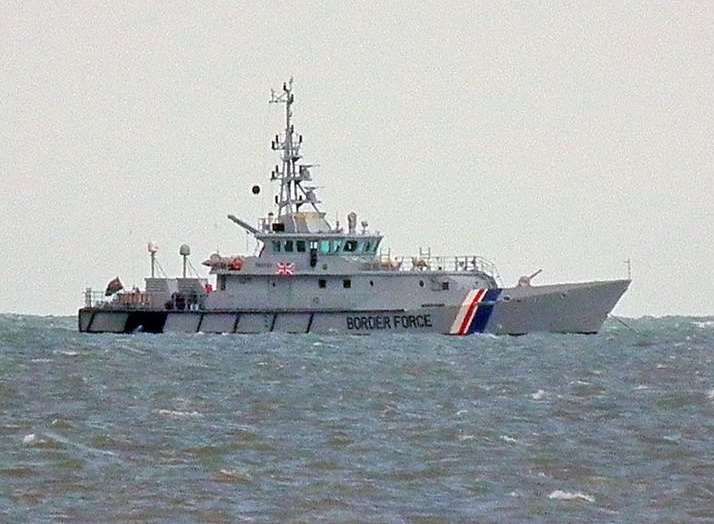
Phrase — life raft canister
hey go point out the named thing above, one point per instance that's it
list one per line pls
(236, 264)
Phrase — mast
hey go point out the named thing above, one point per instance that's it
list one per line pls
(292, 194)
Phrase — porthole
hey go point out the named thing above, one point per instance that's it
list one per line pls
(371, 283)
(421, 283)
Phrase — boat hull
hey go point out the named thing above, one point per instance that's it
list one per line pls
(561, 308)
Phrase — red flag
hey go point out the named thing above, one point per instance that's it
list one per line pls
(113, 286)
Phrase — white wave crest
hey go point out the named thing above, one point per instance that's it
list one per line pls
(567, 495)
(65, 352)
(178, 414)
(538, 395)
(704, 323)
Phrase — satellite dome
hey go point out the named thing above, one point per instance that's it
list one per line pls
(184, 250)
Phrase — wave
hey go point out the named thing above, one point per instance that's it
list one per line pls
(567, 495)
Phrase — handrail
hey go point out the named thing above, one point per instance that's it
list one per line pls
(134, 299)
(426, 262)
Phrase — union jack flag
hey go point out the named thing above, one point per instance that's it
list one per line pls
(285, 268)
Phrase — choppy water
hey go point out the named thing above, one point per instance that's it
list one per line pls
(202, 428)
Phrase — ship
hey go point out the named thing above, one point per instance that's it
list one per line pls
(310, 276)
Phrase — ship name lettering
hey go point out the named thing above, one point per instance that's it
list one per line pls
(372, 322)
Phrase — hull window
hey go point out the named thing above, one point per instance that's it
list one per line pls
(322, 283)
(347, 283)
(300, 244)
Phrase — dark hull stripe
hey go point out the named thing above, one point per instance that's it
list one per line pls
(483, 313)
(91, 320)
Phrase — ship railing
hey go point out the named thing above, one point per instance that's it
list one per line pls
(95, 298)
(136, 299)
(460, 263)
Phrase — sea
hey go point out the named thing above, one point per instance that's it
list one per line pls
(614, 427)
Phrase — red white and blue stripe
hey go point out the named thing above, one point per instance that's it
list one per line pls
(475, 311)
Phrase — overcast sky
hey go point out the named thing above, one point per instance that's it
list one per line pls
(541, 135)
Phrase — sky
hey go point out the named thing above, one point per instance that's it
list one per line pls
(563, 136)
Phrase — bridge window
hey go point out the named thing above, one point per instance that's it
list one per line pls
(288, 246)
(445, 286)
(276, 246)
(350, 246)
(322, 283)
(300, 244)
(367, 247)
(347, 283)
(336, 246)
(325, 247)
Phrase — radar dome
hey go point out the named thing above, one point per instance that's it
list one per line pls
(184, 250)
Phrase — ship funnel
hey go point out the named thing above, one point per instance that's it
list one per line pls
(352, 222)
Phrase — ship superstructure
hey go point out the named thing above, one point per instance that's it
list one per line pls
(314, 277)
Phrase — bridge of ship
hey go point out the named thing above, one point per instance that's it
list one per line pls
(363, 248)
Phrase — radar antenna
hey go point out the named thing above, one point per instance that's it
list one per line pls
(291, 175)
